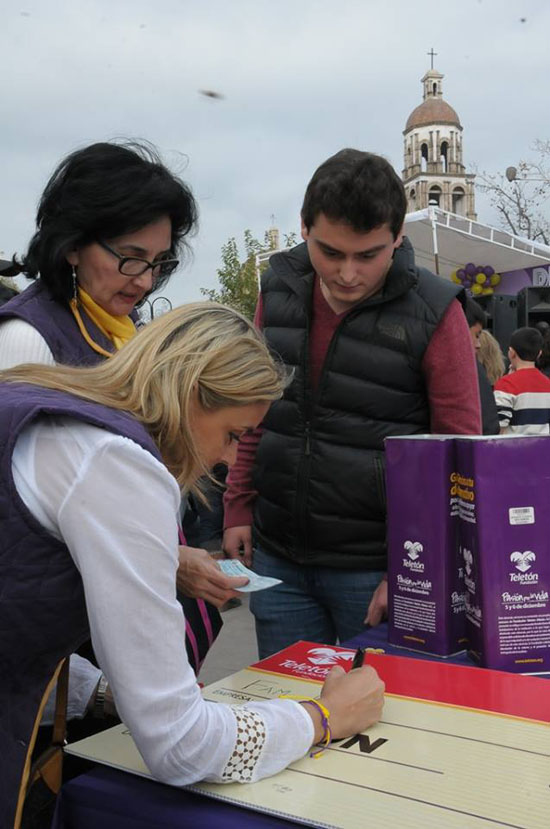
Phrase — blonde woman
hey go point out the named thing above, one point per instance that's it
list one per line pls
(92, 466)
(490, 356)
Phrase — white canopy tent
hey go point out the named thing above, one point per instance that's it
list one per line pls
(443, 242)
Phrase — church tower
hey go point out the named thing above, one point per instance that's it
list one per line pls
(434, 172)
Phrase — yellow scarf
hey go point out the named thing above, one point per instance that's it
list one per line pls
(117, 329)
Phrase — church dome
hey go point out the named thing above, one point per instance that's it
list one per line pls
(432, 111)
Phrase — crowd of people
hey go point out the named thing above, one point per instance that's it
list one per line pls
(104, 425)
(96, 421)
(514, 393)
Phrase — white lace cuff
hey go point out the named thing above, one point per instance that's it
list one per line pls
(251, 734)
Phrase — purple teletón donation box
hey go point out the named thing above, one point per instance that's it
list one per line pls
(425, 570)
(503, 487)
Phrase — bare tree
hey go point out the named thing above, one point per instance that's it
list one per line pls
(523, 204)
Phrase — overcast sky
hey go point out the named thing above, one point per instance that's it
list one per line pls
(300, 78)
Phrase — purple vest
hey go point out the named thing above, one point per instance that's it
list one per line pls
(56, 323)
(42, 608)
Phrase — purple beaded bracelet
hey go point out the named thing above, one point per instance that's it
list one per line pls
(325, 720)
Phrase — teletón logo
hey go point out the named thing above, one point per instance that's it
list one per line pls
(413, 548)
(523, 560)
(328, 656)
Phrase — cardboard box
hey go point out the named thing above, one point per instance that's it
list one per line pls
(503, 488)
(425, 571)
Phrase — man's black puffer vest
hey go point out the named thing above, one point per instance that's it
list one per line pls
(319, 468)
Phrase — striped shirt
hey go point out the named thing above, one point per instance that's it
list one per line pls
(523, 402)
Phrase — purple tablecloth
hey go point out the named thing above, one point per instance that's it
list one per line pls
(108, 799)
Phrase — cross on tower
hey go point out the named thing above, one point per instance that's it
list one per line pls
(432, 55)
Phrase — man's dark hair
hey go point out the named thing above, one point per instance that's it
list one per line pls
(474, 313)
(358, 188)
(527, 343)
(98, 193)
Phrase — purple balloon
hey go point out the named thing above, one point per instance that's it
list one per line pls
(467, 282)
(461, 273)
(470, 269)
(480, 269)
(488, 270)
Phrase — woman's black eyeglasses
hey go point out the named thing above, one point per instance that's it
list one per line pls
(133, 266)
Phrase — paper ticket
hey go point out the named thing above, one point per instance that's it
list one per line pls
(232, 567)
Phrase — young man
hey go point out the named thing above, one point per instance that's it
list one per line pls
(523, 397)
(378, 348)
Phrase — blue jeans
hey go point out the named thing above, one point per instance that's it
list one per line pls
(318, 604)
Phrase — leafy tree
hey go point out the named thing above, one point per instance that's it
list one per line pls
(238, 279)
(523, 204)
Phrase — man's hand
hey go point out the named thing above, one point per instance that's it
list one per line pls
(237, 543)
(378, 607)
(200, 577)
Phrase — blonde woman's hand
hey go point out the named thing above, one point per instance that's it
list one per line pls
(355, 700)
(200, 577)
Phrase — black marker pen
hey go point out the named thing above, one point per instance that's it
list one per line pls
(358, 658)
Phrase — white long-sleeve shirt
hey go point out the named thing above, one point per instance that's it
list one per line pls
(20, 342)
(115, 507)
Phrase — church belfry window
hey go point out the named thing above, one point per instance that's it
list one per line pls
(458, 201)
(424, 157)
(444, 156)
(434, 196)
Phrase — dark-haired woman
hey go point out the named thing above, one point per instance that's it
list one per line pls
(110, 224)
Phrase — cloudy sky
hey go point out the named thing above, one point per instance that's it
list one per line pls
(300, 78)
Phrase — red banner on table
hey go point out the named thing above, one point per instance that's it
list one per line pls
(467, 687)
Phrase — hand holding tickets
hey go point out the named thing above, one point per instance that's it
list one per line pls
(199, 577)
(232, 567)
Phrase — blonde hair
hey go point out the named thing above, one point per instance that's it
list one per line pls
(201, 351)
(490, 356)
